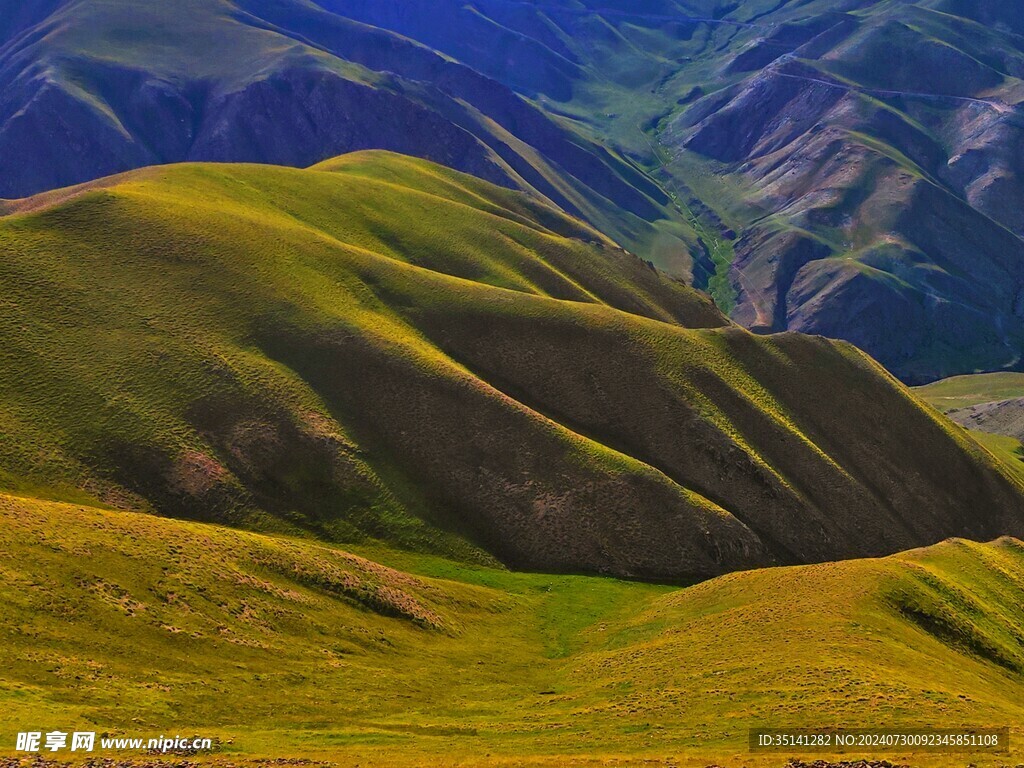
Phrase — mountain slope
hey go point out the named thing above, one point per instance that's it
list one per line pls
(289, 647)
(874, 183)
(379, 347)
(989, 405)
(89, 90)
(847, 170)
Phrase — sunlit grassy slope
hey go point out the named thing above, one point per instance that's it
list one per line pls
(378, 348)
(129, 623)
(1007, 449)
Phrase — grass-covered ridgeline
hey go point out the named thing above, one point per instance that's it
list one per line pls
(381, 349)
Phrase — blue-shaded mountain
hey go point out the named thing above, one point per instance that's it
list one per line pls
(89, 89)
(874, 177)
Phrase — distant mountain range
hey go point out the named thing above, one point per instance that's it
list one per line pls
(843, 168)
(872, 170)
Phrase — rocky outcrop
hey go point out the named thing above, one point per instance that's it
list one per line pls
(1003, 417)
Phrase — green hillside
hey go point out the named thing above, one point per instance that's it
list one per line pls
(294, 648)
(1009, 450)
(381, 349)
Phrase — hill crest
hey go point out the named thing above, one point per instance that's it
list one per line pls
(382, 348)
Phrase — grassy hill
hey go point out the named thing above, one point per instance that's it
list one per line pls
(381, 349)
(285, 647)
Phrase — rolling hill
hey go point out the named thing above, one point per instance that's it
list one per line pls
(284, 647)
(378, 348)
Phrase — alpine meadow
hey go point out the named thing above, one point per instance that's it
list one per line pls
(511, 384)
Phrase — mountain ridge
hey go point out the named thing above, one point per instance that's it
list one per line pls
(381, 348)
